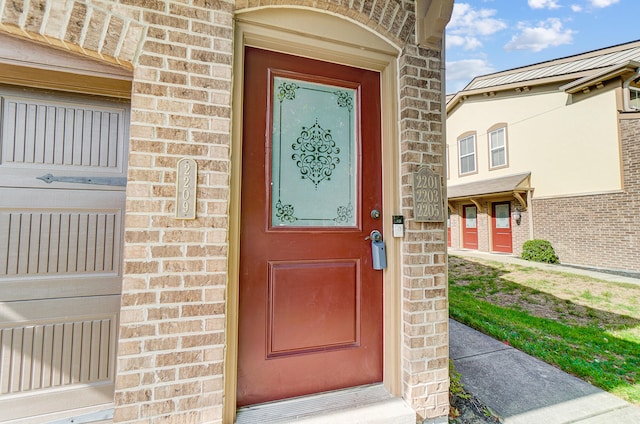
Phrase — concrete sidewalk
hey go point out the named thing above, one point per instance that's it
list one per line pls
(521, 389)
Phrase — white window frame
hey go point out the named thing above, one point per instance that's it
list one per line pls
(494, 130)
(461, 156)
(447, 162)
(634, 98)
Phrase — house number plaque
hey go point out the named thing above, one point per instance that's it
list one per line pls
(427, 196)
(187, 177)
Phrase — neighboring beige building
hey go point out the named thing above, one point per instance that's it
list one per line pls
(556, 144)
(187, 191)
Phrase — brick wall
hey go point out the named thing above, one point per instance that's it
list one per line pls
(484, 226)
(520, 233)
(598, 230)
(425, 352)
(173, 316)
(455, 222)
(172, 338)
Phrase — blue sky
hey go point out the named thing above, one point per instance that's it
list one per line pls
(486, 36)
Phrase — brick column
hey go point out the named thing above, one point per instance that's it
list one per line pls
(425, 352)
(172, 336)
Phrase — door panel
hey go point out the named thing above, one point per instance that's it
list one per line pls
(501, 228)
(291, 323)
(310, 316)
(470, 227)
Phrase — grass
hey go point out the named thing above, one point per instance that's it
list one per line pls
(587, 327)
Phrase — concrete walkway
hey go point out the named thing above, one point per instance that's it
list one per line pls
(521, 389)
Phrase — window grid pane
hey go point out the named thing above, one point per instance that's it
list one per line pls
(498, 148)
(466, 147)
(634, 98)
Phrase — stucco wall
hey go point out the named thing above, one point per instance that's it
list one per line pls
(558, 138)
(174, 331)
(598, 230)
(589, 230)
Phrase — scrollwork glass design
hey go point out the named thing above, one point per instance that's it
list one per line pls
(313, 142)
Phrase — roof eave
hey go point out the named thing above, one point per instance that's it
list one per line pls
(520, 86)
(600, 77)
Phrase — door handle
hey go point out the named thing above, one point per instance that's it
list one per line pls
(378, 250)
(375, 235)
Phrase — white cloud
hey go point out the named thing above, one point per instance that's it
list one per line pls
(603, 3)
(460, 73)
(468, 25)
(467, 43)
(549, 33)
(543, 4)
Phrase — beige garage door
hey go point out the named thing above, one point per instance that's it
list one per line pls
(62, 182)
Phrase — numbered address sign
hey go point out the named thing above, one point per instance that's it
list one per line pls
(187, 177)
(427, 196)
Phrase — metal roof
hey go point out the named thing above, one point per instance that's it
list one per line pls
(492, 186)
(581, 63)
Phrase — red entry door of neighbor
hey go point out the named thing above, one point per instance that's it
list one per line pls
(501, 227)
(310, 317)
(448, 227)
(470, 227)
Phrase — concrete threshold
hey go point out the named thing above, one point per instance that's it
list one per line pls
(361, 405)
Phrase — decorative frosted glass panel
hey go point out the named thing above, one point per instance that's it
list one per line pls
(502, 216)
(313, 155)
(470, 216)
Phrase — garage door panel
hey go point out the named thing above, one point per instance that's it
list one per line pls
(38, 131)
(46, 408)
(56, 343)
(14, 289)
(40, 135)
(73, 241)
(51, 348)
(62, 197)
(44, 242)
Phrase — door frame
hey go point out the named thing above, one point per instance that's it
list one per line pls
(274, 29)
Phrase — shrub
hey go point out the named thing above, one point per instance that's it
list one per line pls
(539, 251)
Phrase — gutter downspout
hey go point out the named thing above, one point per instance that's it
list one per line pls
(443, 117)
(626, 91)
(530, 212)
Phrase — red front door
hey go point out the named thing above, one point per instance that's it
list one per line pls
(310, 317)
(501, 227)
(470, 227)
(448, 227)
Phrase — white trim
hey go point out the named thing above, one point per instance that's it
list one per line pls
(22, 52)
(594, 193)
(92, 417)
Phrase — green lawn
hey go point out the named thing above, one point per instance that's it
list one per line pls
(587, 327)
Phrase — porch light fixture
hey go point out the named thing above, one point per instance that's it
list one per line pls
(517, 215)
